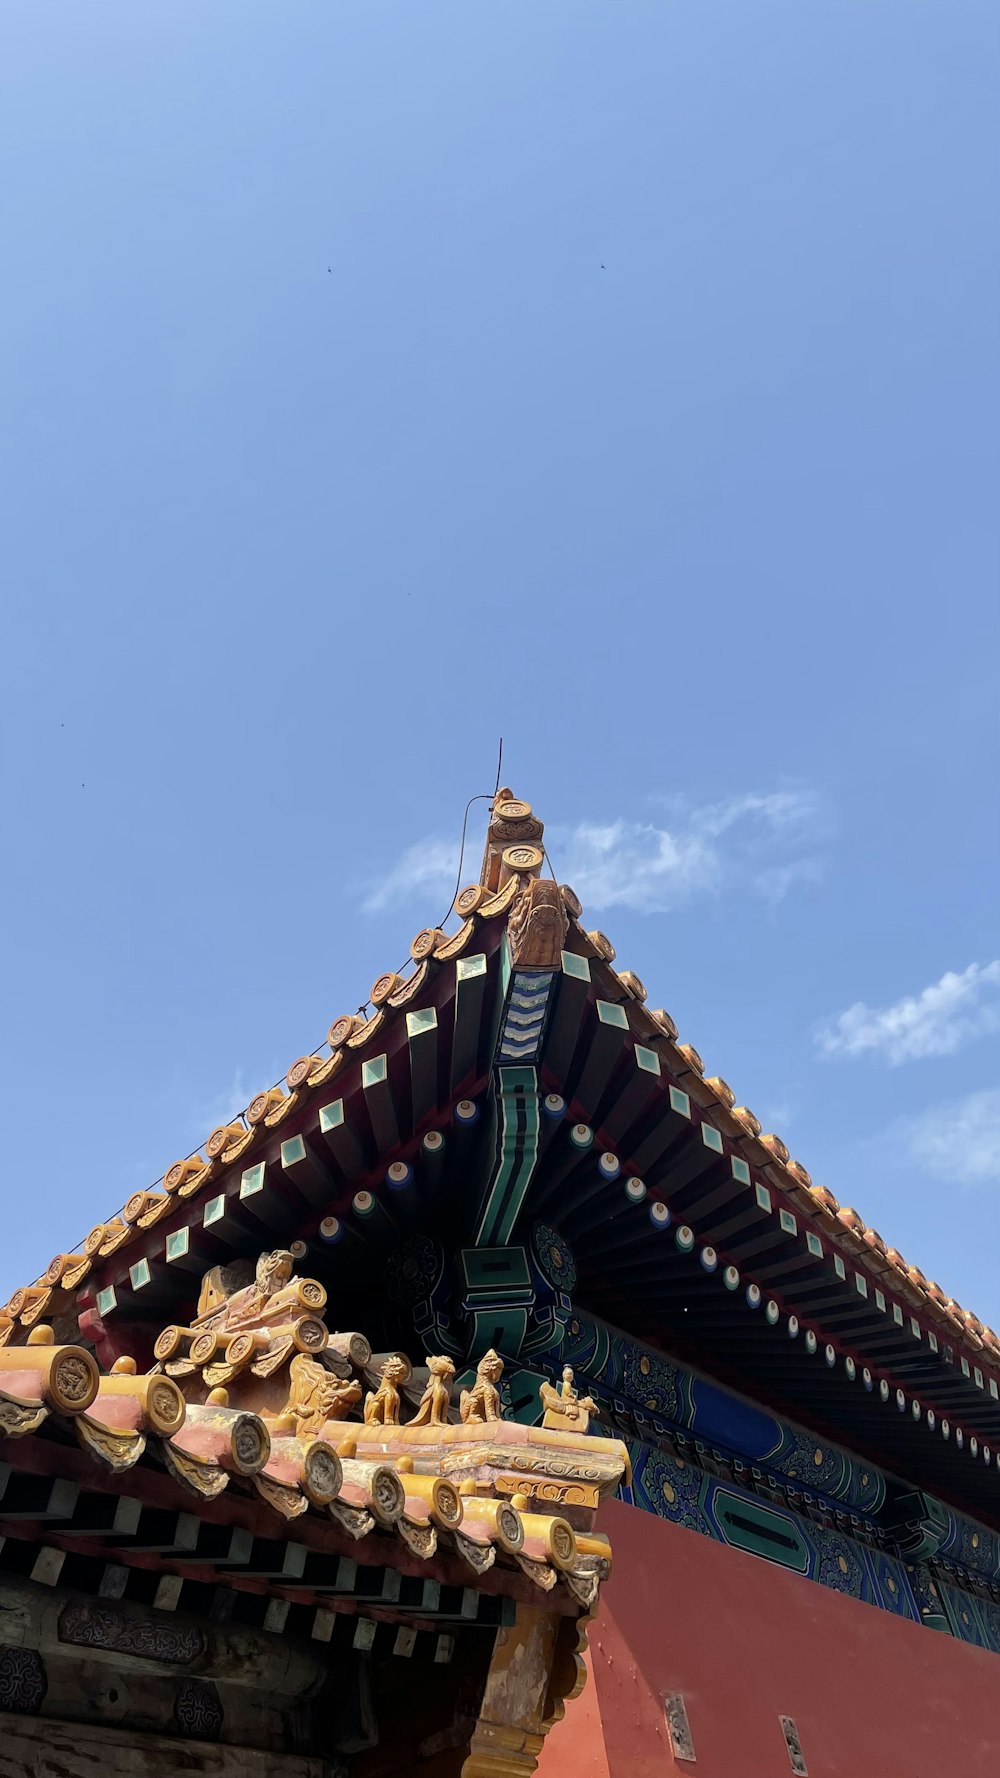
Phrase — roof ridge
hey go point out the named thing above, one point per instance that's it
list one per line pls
(514, 854)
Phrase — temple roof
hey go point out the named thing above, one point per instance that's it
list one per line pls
(394, 1076)
(356, 1036)
(296, 1503)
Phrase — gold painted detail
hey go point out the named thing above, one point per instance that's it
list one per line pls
(289, 1502)
(554, 1493)
(196, 1473)
(18, 1417)
(420, 1538)
(119, 1450)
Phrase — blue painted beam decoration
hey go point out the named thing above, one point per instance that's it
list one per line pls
(674, 1489)
(497, 1298)
(666, 1394)
(881, 1558)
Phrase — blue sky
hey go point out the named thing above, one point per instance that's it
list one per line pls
(621, 378)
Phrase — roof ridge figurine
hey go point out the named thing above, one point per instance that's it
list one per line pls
(565, 1410)
(482, 1402)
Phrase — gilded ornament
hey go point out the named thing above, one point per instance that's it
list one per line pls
(382, 1404)
(436, 1399)
(470, 899)
(202, 1477)
(300, 1071)
(419, 1536)
(222, 1137)
(425, 943)
(165, 1406)
(342, 1029)
(523, 859)
(322, 1473)
(250, 1443)
(537, 924)
(263, 1104)
(316, 1395)
(564, 1408)
(16, 1419)
(73, 1380)
(119, 1450)
(481, 1403)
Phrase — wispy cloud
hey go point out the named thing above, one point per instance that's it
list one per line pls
(936, 1022)
(222, 1107)
(958, 1142)
(779, 1114)
(761, 843)
(764, 844)
(430, 865)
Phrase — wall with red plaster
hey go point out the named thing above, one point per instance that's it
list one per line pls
(746, 1642)
(575, 1747)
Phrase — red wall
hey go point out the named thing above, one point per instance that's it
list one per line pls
(872, 1695)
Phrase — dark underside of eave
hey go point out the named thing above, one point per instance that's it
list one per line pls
(630, 1274)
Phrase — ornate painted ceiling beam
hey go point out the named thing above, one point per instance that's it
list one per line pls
(516, 1149)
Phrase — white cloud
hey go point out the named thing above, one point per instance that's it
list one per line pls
(631, 864)
(222, 1107)
(958, 1142)
(761, 844)
(779, 810)
(774, 882)
(779, 1115)
(753, 842)
(430, 865)
(936, 1022)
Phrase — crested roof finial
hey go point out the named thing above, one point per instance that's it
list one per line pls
(513, 827)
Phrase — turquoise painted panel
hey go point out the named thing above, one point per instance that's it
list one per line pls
(760, 1530)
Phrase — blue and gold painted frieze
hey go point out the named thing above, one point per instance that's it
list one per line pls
(893, 1534)
(672, 1398)
(672, 1488)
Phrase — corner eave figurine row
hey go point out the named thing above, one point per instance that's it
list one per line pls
(538, 917)
(294, 1421)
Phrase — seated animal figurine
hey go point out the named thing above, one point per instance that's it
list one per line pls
(482, 1402)
(382, 1404)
